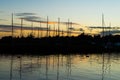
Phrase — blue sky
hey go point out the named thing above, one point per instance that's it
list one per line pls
(85, 12)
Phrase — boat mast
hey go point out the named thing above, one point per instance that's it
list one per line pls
(68, 28)
(32, 28)
(58, 26)
(12, 25)
(47, 27)
(109, 28)
(21, 27)
(103, 24)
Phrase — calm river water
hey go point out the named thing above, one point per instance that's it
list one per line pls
(103, 66)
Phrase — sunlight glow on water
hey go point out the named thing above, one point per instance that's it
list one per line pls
(61, 67)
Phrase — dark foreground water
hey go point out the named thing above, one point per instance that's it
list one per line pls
(61, 67)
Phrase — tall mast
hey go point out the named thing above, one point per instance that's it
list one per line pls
(40, 29)
(21, 27)
(38, 32)
(58, 26)
(54, 31)
(109, 28)
(68, 28)
(47, 27)
(62, 33)
(32, 28)
(103, 24)
(12, 25)
(49, 30)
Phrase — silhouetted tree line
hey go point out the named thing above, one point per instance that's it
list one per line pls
(82, 43)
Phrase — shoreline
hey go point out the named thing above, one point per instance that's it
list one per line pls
(80, 44)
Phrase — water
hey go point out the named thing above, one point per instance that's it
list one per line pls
(60, 67)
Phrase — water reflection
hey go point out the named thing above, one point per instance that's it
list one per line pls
(103, 66)
(106, 65)
(11, 68)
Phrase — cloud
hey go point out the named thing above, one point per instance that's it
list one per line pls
(37, 19)
(32, 18)
(18, 24)
(110, 32)
(5, 30)
(99, 27)
(69, 23)
(71, 28)
(24, 14)
(8, 28)
(3, 20)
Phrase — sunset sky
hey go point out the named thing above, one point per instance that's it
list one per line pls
(83, 12)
